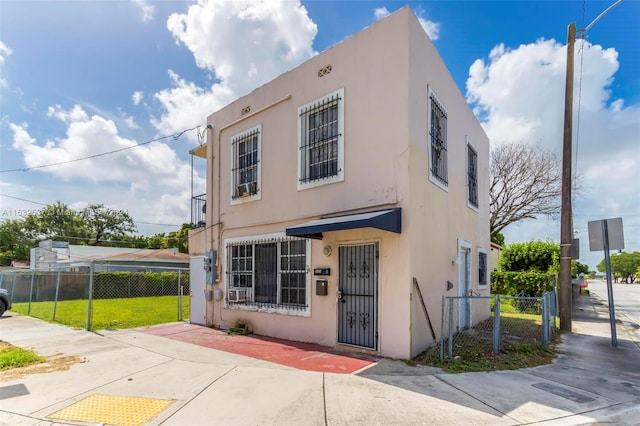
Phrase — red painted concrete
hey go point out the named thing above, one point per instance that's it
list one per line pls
(304, 356)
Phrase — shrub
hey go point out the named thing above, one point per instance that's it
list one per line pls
(518, 283)
(539, 256)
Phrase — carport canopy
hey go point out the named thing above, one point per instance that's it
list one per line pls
(386, 220)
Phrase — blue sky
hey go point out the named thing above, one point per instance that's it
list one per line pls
(79, 78)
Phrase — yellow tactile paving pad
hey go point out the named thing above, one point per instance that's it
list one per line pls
(113, 410)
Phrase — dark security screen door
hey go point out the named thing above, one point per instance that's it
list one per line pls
(358, 286)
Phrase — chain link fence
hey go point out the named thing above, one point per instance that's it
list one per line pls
(94, 299)
(487, 324)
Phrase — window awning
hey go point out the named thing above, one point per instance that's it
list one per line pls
(387, 220)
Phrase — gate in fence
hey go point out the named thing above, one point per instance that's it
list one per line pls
(495, 321)
(92, 298)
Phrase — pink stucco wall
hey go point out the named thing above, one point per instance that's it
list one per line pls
(385, 71)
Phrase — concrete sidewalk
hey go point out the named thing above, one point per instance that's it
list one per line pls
(139, 378)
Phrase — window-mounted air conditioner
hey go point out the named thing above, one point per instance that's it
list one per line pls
(245, 189)
(236, 295)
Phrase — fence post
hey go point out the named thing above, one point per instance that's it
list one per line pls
(179, 298)
(442, 330)
(30, 292)
(180, 302)
(496, 325)
(545, 319)
(55, 301)
(90, 307)
(450, 346)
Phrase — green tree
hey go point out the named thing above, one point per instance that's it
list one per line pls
(179, 239)
(578, 268)
(497, 238)
(623, 265)
(15, 242)
(102, 224)
(56, 222)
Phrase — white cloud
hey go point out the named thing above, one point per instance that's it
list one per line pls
(245, 43)
(154, 165)
(186, 105)
(4, 51)
(137, 97)
(519, 95)
(75, 114)
(431, 28)
(131, 122)
(147, 9)
(381, 12)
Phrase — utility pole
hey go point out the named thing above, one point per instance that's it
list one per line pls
(565, 296)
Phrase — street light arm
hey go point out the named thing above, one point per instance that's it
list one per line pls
(588, 27)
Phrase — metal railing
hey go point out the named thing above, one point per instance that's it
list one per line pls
(487, 324)
(198, 211)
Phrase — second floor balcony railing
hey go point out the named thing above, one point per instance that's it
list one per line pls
(198, 211)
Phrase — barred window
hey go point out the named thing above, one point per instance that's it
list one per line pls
(438, 141)
(482, 268)
(321, 141)
(246, 164)
(472, 176)
(271, 274)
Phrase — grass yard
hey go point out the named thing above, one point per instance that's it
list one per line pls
(521, 336)
(14, 357)
(109, 313)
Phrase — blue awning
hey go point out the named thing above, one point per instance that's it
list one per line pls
(387, 220)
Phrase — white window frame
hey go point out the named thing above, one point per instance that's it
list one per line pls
(435, 180)
(302, 142)
(486, 270)
(234, 154)
(261, 239)
(469, 146)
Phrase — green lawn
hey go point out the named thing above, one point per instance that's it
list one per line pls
(109, 313)
(13, 357)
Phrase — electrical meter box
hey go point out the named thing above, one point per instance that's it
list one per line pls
(210, 259)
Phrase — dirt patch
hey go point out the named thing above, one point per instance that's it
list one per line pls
(55, 362)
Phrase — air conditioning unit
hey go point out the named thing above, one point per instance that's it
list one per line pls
(236, 295)
(245, 189)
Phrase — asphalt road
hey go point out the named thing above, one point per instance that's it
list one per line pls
(626, 299)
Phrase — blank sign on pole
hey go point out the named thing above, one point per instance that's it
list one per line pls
(596, 237)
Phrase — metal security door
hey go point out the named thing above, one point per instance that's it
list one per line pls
(358, 295)
(197, 290)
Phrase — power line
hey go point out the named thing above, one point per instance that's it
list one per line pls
(42, 166)
(22, 199)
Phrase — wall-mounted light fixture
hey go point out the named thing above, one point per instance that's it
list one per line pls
(327, 250)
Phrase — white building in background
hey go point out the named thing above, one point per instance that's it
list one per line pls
(55, 255)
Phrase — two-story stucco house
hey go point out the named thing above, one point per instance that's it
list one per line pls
(333, 186)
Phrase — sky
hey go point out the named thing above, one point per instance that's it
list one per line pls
(82, 78)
